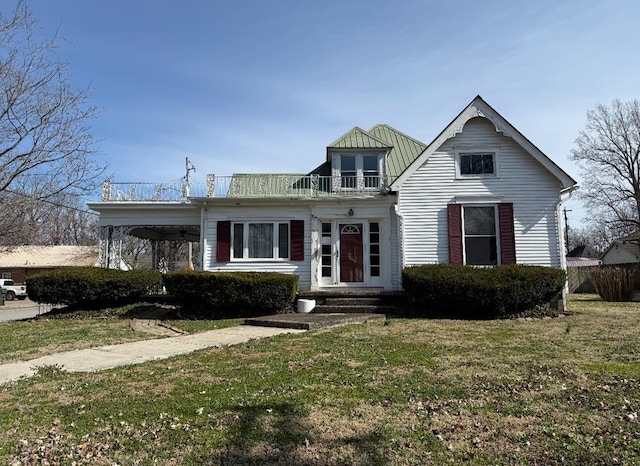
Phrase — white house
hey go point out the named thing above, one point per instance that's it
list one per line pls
(479, 194)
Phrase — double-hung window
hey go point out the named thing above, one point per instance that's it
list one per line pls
(260, 240)
(480, 238)
(370, 171)
(348, 172)
(481, 234)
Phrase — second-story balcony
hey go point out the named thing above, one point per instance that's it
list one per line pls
(248, 186)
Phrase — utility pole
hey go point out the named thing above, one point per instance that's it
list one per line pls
(566, 230)
(188, 167)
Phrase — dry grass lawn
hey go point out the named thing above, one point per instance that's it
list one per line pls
(542, 391)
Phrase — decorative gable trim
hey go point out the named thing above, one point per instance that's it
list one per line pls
(474, 112)
(479, 108)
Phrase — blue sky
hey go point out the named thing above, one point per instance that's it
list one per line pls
(264, 86)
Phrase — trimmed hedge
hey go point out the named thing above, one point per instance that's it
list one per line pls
(479, 293)
(232, 294)
(91, 286)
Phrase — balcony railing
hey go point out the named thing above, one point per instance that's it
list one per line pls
(247, 186)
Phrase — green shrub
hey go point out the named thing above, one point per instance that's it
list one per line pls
(615, 284)
(91, 286)
(479, 293)
(233, 294)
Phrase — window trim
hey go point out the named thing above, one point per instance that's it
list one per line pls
(479, 151)
(496, 225)
(275, 244)
(506, 232)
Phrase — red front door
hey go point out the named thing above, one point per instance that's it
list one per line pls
(351, 253)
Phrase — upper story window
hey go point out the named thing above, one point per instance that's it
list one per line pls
(476, 164)
(370, 171)
(348, 172)
(359, 171)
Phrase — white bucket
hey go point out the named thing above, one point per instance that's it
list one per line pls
(306, 305)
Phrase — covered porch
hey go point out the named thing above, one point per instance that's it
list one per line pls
(163, 236)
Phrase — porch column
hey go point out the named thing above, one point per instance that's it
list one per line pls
(110, 247)
(103, 247)
(171, 255)
(160, 252)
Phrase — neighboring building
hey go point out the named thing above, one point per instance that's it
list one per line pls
(623, 251)
(21, 262)
(479, 194)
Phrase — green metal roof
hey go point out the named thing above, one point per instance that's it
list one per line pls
(262, 184)
(357, 138)
(404, 149)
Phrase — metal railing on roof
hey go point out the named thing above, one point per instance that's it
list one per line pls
(247, 186)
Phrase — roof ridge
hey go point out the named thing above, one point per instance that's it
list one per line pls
(357, 128)
(400, 133)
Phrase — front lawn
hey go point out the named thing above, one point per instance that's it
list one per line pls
(65, 331)
(543, 391)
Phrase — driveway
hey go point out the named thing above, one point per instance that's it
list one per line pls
(18, 310)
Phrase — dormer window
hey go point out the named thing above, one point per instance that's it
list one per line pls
(359, 171)
(370, 171)
(348, 172)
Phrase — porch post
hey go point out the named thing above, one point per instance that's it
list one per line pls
(158, 255)
(315, 252)
(171, 255)
(115, 248)
(103, 247)
(211, 185)
(110, 247)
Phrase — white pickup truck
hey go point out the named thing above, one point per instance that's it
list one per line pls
(13, 291)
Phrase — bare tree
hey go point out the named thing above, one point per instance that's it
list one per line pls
(44, 122)
(592, 240)
(608, 152)
(60, 219)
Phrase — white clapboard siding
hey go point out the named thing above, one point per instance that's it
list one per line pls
(280, 214)
(534, 192)
(396, 282)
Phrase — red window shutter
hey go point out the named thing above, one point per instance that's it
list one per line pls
(297, 240)
(454, 221)
(507, 235)
(223, 244)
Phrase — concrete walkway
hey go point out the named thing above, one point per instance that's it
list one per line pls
(106, 357)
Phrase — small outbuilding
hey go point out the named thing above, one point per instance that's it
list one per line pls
(623, 251)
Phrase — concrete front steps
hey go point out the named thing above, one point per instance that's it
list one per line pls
(355, 302)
